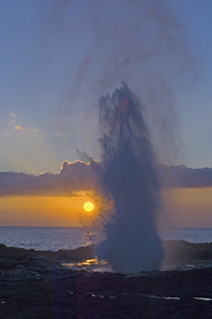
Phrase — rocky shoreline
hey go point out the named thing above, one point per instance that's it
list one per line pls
(35, 285)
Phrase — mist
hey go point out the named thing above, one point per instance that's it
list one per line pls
(102, 43)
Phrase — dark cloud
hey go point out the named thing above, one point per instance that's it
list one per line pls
(79, 175)
(185, 177)
(72, 177)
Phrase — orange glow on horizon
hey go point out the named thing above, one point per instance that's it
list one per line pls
(88, 207)
(40, 211)
(187, 207)
(184, 207)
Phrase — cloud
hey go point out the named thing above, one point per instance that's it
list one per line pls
(185, 177)
(19, 127)
(12, 122)
(73, 177)
(13, 114)
(80, 176)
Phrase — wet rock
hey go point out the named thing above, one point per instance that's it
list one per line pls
(35, 286)
(64, 255)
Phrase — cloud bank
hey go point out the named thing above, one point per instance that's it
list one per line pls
(184, 177)
(80, 176)
(73, 177)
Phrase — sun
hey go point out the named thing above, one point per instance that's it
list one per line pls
(88, 206)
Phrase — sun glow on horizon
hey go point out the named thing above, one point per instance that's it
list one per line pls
(38, 211)
(88, 207)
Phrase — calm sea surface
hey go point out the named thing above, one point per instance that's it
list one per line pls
(54, 238)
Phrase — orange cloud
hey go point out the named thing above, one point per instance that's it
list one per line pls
(14, 118)
(20, 127)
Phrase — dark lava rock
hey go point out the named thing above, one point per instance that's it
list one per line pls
(186, 255)
(34, 286)
(64, 255)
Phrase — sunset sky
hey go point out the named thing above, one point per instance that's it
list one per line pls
(58, 57)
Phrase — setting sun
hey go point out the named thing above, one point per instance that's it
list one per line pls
(88, 206)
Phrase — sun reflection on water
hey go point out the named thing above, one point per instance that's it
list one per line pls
(90, 265)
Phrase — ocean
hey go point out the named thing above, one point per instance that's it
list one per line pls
(54, 238)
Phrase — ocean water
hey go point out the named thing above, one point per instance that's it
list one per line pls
(54, 238)
(191, 235)
(44, 238)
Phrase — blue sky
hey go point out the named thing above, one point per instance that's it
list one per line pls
(58, 57)
(197, 111)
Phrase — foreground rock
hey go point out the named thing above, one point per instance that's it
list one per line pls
(183, 255)
(33, 285)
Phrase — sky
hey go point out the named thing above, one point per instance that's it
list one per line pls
(59, 57)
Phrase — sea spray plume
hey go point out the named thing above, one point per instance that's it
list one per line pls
(144, 41)
(131, 243)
